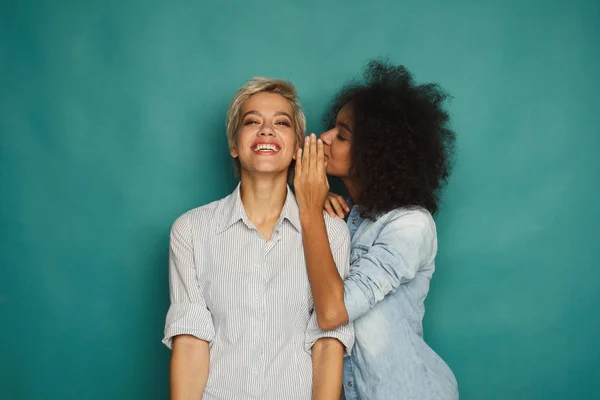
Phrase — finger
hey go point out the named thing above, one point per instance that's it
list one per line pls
(298, 170)
(342, 202)
(337, 207)
(306, 153)
(313, 152)
(329, 210)
(320, 158)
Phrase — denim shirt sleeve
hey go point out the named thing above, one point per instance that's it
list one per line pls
(406, 241)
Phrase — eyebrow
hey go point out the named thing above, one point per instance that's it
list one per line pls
(277, 114)
(345, 126)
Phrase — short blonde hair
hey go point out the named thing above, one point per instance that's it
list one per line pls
(260, 85)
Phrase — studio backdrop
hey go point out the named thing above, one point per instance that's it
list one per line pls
(112, 125)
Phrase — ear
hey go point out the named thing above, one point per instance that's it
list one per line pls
(233, 152)
(296, 150)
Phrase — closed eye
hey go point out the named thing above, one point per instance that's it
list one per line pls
(340, 137)
(250, 122)
(284, 123)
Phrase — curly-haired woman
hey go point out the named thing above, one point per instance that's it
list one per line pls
(391, 145)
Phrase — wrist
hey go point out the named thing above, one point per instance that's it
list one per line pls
(311, 215)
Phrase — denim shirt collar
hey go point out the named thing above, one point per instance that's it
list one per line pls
(354, 220)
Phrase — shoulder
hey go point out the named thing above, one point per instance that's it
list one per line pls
(337, 230)
(202, 217)
(408, 228)
(415, 219)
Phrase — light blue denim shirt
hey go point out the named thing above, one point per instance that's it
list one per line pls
(391, 263)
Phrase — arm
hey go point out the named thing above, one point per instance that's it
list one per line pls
(311, 186)
(328, 355)
(326, 245)
(329, 346)
(404, 243)
(189, 326)
(325, 281)
(189, 367)
(339, 249)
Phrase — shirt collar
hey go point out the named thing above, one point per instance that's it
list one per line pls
(234, 211)
(290, 210)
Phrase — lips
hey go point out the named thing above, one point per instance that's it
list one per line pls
(265, 147)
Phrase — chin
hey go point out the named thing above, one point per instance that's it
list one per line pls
(271, 166)
(330, 172)
(268, 170)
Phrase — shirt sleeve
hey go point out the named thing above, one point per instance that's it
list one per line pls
(188, 314)
(406, 242)
(339, 241)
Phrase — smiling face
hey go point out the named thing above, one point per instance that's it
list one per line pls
(266, 141)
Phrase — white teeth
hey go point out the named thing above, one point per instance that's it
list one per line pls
(265, 147)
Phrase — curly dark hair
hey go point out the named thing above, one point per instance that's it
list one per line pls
(402, 147)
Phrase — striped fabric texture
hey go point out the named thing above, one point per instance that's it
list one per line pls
(249, 299)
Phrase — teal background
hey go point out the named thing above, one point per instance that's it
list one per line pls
(112, 125)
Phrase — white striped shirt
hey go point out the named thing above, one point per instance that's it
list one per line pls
(249, 298)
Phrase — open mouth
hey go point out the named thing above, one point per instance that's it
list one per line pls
(266, 148)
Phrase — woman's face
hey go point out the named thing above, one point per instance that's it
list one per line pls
(266, 142)
(336, 145)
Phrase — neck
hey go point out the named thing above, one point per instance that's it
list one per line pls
(263, 196)
(352, 190)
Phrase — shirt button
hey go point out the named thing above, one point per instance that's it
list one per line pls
(350, 383)
(353, 222)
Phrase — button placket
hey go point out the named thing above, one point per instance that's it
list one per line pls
(259, 337)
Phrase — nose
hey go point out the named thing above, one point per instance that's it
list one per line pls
(327, 137)
(266, 130)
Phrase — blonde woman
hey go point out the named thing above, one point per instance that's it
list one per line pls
(241, 322)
